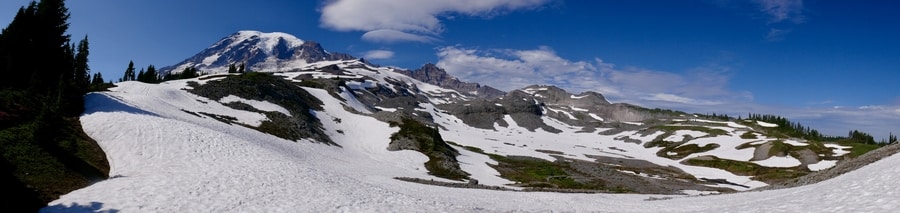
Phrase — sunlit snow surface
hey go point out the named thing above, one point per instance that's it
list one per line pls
(165, 160)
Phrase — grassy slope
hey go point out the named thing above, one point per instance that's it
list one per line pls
(44, 154)
(429, 142)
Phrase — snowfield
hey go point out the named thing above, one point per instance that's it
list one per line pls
(163, 159)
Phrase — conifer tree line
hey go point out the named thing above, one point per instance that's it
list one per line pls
(793, 129)
(233, 68)
(150, 75)
(37, 56)
(43, 150)
(798, 130)
(788, 127)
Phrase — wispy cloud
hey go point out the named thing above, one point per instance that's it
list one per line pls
(779, 15)
(393, 36)
(782, 10)
(409, 20)
(509, 69)
(379, 54)
(776, 34)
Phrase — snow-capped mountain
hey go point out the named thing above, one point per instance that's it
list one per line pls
(258, 51)
(345, 135)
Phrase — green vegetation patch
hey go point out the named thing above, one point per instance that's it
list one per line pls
(860, 148)
(47, 157)
(302, 124)
(779, 148)
(684, 151)
(536, 172)
(427, 140)
(768, 175)
(676, 146)
(748, 135)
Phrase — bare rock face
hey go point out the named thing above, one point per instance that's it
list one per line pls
(312, 51)
(583, 109)
(430, 73)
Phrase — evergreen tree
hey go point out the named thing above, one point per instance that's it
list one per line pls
(189, 72)
(232, 68)
(97, 82)
(44, 79)
(151, 75)
(97, 79)
(129, 72)
(892, 138)
(140, 76)
(82, 70)
(51, 41)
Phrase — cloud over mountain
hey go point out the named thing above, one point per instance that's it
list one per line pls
(409, 20)
(379, 54)
(509, 69)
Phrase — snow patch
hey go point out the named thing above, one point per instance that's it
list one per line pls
(578, 109)
(260, 105)
(821, 165)
(838, 150)
(775, 161)
(595, 116)
(764, 124)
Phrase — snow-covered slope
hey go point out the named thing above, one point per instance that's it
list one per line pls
(312, 131)
(165, 160)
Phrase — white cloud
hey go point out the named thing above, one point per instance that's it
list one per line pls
(509, 69)
(782, 10)
(392, 36)
(679, 99)
(419, 20)
(379, 54)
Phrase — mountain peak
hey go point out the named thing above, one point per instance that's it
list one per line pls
(260, 51)
(432, 74)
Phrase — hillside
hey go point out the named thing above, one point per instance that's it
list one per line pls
(311, 129)
(164, 158)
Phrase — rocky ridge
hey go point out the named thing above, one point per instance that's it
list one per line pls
(432, 74)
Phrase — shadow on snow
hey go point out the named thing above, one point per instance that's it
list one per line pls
(75, 208)
(101, 102)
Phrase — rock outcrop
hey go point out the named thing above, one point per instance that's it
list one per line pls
(430, 73)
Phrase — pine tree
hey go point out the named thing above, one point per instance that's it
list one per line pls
(97, 82)
(232, 68)
(189, 72)
(82, 70)
(140, 76)
(892, 138)
(97, 79)
(52, 41)
(129, 72)
(151, 75)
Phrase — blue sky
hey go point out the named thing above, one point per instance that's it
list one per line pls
(833, 65)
